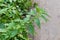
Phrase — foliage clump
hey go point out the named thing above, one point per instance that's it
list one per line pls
(17, 18)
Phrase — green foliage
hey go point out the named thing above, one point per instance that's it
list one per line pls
(17, 18)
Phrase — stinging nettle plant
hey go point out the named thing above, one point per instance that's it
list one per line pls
(17, 18)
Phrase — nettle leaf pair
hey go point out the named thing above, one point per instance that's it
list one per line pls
(17, 18)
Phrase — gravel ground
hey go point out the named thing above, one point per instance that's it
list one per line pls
(51, 29)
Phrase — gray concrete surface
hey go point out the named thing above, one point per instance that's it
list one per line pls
(51, 29)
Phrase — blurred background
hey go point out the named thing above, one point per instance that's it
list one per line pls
(51, 29)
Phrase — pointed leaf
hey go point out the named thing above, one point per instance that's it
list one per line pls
(37, 21)
(13, 33)
(31, 29)
(3, 10)
(44, 18)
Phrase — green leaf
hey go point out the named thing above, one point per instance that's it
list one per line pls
(32, 12)
(38, 9)
(16, 38)
(3, 30)
(3, 10)
(42, 11)
(13, 33)
(10, 1)
(20, 35)
(1, 0)
(2, 25)
(37, 21)
(46, 14)
(44, 18)
(11, 25)
(15, 16)
(31, 29)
